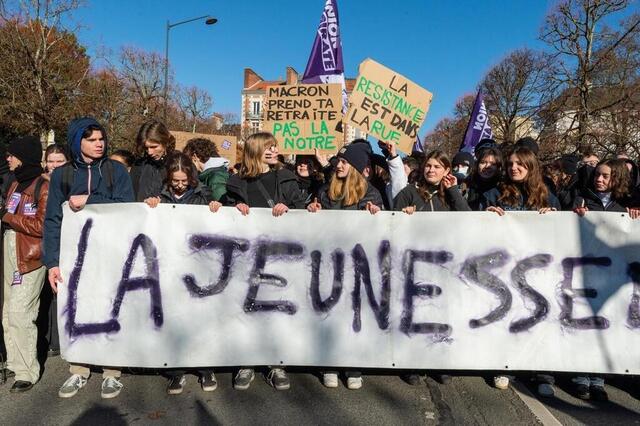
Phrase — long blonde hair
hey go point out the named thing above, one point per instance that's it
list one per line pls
(350, 189)
(254, 148)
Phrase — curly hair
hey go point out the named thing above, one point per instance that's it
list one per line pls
(536, 192)
(201, 148)
(157, 132)
(620, 178)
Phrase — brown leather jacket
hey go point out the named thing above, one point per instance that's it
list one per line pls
(28, 225)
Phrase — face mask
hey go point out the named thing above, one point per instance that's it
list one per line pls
(461, 170)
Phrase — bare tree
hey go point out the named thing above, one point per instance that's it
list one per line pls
(196, 104)
(575, 31)
(516, 89)
(143, 75)
(42, 66)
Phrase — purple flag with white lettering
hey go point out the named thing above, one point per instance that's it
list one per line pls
(325, 62)
(479, 127)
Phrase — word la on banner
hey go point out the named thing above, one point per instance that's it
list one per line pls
(387, 105)
(553, 292)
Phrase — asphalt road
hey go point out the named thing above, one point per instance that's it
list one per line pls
(384, 400)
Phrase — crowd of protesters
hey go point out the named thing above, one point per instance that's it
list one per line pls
(498, 178)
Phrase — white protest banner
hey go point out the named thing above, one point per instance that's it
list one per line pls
(179, 286)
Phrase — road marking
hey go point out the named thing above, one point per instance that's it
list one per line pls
(536, 407)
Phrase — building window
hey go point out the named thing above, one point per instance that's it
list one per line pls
(255, 126)
(256, 107)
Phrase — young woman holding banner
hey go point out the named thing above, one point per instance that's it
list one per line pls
(263, 182)
(608, 191)
(522, 189)
(485, 176)
(436, 189)
(182, 187)
(348, 189)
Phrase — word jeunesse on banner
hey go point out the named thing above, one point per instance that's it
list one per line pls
(270, 291)
(304, 117)
(387, 105)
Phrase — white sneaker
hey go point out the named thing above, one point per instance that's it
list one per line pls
(330, 380)
(354, 383)
(111, 388)
(501, 382)
(72, 386)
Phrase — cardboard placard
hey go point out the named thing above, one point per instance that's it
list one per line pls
(226, 144)
(387, 105)
(304, 117)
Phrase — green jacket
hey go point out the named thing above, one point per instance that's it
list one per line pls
(216, 179)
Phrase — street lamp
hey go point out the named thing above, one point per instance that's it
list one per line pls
(209, 21)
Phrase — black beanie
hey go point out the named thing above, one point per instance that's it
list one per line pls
(27, 149)
(529, 143)
(463, 157)
(356, 154)
(569, 164)
(484, 144)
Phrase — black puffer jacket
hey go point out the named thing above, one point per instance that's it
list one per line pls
(309, 187)
(372, 195)
(286, 191)
(200, 195)
(147, 176)
(589, 199)
(409, 196)
(477, 187)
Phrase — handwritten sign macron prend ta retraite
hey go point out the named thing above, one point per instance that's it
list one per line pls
(387, 106)
(304, 117)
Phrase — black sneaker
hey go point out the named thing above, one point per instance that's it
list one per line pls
(208, 381)
(243, 379)
(411, 379)
(278, 379)
(598, 393)
(176, 385)
(20, 386)
(582, 392)
(444, 379)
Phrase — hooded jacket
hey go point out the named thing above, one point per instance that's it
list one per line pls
(286, 190)
(88, 179)
(410, 196)
(215, 176)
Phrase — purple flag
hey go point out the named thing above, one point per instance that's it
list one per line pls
(417, 145)
(325, 62)
(478, 127)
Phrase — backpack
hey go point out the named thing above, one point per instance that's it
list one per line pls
(68, 173)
